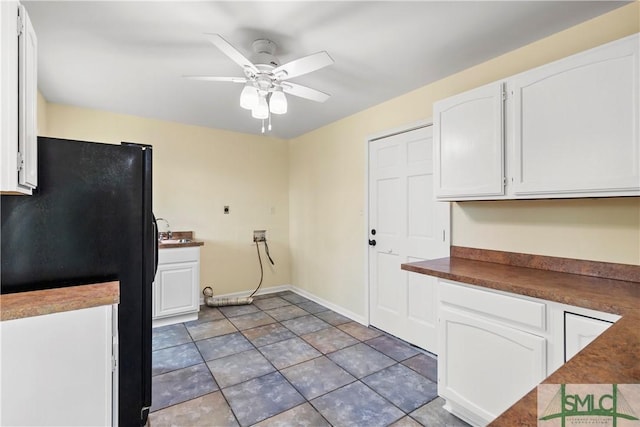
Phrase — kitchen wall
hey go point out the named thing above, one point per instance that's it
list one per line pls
(327, 184)
(196, 171)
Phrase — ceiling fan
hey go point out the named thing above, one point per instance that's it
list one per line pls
(266, 81)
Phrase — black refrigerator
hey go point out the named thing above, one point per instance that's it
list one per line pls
(89, 221)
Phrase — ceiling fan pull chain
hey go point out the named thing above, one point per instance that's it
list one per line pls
(269, 122)
(262, 125)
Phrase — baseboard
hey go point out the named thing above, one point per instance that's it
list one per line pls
(273, 289)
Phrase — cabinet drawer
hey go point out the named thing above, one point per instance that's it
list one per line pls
(509, 309)
(172, 255)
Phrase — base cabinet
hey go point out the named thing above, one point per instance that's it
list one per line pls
(176, 292)
(579, 331)
(59, 369)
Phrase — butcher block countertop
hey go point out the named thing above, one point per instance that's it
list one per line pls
(36, 303)
(613, 358)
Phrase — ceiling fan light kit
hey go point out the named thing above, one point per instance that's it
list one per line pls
(264, 81)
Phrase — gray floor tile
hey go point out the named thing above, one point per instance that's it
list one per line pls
(169, 336)
(329, 340)
(270, 303)
(238, 310)
(267, 334)
(214, 328)
(312, 307)
(204, 411)
(180, 386)
(206, 314)
(172, 358)
(294, 298)
(224, 345)
(433, 414)
(301, 416)
(424, 365)
(356, 405)
(262, 398)
(287, 312)
(359, 331)
(404, 387)
(306, 324)
(239, 367)
(361, 360)
(406, 422)
(393, 347)
(289, 352)
(317, 377)
(252, 320)
(333, 318)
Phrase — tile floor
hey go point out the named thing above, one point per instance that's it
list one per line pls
(288, 361)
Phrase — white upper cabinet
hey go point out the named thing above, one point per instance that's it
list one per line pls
(575, 124)
(572, 129)
(18, 101)
(468, 144)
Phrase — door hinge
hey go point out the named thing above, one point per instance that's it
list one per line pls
(504, 181)
(114, 363)
(443, 235)
(20, 164)
(20, 26)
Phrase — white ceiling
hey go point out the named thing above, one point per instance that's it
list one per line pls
(128, 57)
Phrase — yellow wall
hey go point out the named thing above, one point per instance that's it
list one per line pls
(327, 184)
(196, 171)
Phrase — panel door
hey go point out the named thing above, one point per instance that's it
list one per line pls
(576, 124)
(485, 367)
(579, 331)
(176, 289)
(469, 146)
(409, 226)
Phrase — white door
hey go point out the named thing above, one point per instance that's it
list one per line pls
(407, 225)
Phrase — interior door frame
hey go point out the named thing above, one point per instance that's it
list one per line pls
(371, 138)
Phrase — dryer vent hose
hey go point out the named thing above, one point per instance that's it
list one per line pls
(222, 301)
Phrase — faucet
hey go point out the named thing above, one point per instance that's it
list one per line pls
(166, 235)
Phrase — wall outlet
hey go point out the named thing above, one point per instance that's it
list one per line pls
(259, 235)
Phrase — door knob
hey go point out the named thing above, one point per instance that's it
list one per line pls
(372, 242)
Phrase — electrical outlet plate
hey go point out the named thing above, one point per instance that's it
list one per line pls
(259, 235)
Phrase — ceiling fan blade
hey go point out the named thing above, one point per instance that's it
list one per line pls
(303, 65)
(231, 52)
(218, 79)
(304, 92)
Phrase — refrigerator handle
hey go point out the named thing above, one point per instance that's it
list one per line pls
(155, 245)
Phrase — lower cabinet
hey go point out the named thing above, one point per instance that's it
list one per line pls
(176, 290)
(579, 331)
(486, 363)
(59, 369)
(494, 346)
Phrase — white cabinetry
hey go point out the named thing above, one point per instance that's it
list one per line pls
(469, 149)
(576, 124)
(490, 353)
(579, 331)
(572, 129)
(18, 101)
(57, 368)
(176, 290)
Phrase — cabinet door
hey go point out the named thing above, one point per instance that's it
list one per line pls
(485, 367)
(576, 124)
(176, 289)
(579, 331)
(28, 100)
(56, 369)
(468, 144)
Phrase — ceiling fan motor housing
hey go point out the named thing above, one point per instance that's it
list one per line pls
(264, 55)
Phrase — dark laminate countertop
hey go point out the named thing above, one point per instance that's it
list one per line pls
(48, 301)
(613, 358)
(176, 235)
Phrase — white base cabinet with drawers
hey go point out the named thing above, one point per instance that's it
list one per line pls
(176, 290)
(496, 346)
